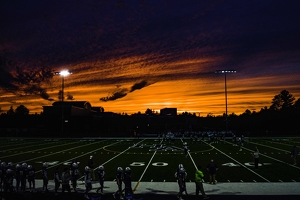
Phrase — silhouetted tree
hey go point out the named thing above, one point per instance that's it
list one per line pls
(247, 112)
(11, 111)
(297, 104)
(210, 115)
(70, 96)
(21, 110)
(149, 111)
(283, 100)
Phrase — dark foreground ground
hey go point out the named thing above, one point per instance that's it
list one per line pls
(80, 196)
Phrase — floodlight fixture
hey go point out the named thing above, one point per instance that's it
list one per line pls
(225, 71)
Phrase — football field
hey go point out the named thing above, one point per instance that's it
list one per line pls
(155, 160)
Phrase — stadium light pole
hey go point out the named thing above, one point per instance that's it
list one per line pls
(226, 104)
(63, 74)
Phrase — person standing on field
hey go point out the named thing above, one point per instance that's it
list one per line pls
(199, 182)
(65, 181)
(57, 180)
(212, 169)
(256, 158)
(91, 165)
(119, 180)
(294, 154)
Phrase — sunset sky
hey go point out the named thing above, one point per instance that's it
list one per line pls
(130, 55)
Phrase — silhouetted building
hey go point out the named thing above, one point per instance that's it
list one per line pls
(168, 112)
(72, 116)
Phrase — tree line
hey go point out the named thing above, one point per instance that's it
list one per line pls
(281, 117)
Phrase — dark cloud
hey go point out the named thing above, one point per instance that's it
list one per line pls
(138, 86)
(122, 92)
(7, 80)
(116, 95)
(23, 81)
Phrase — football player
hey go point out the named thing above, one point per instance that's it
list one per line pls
(10, 166)
(181, 177)
(23, 175)
(127, 182)
(234, 139)
(65, 180)
(57, 180)
(17, 176)
(119, 180)
(242, 140)
(9, 177)
(101, 174)
(45, 177)
(186, 149)
(75, 175)
(87, 181)
(31, 178)
(2, 174)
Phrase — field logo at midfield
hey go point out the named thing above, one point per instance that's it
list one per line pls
(156, 164)
(157, 147)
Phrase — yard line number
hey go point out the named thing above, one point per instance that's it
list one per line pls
(156, 164)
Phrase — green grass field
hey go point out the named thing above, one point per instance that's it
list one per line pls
(150, 164)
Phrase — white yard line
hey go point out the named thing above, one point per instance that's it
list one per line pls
(10, 155)
(191, 157)
(80, 155)
(119, 154)
(17, 143)
(290, 145)
(112, 157)
(58, 152)
(270, 157)
(269, 147)
(238, 162)
(138, 182)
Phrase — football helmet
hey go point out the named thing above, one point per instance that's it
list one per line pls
(10, 164)
(127, 169)
(180, 166)
(101, 167)
(3, 164)
(182, 170)
(87, 168)
(45, 164)
(18, 166)
(75, 165)
(29, 167)
(24, 165)
(9, 171)
(119, 169)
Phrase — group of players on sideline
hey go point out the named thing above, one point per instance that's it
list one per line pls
(26, 173)
(23, 173)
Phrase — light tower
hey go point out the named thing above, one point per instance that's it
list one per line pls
(225, 72)
(63, 74)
